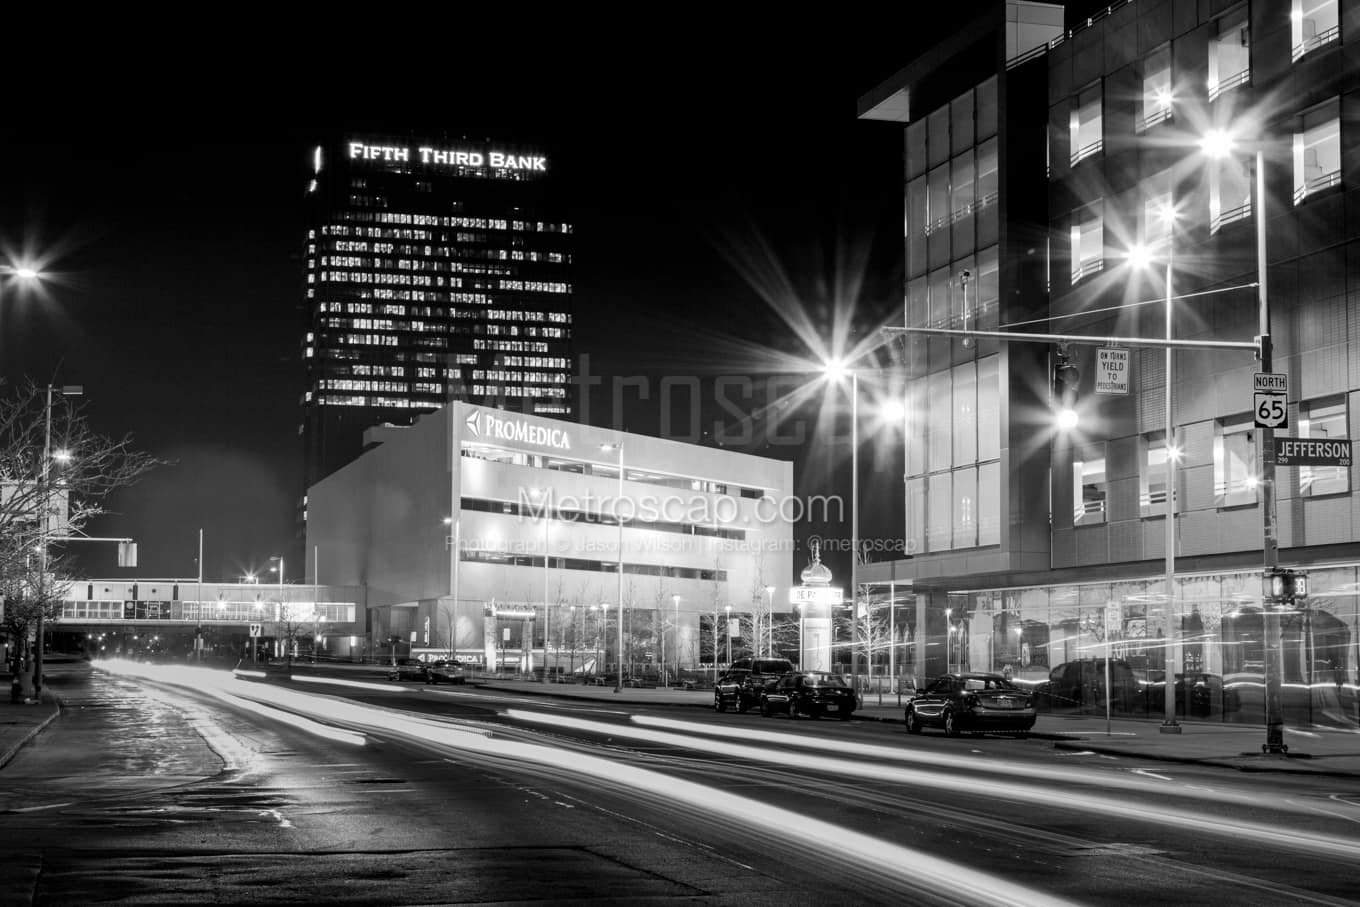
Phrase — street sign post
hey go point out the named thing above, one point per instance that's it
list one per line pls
(1270, 400)
(1312, 451)
(1112, 371)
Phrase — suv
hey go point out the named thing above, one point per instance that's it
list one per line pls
(743, 682)
(1081, 684)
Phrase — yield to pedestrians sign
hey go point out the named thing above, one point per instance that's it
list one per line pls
(1112, 371)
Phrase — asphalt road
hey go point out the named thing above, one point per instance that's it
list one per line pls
(196, 787)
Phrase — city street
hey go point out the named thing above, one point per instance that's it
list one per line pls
(165, 784)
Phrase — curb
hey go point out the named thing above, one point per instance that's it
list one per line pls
(28, 735)
(1215, 761)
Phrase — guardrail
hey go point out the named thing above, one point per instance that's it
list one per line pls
(1042, 49)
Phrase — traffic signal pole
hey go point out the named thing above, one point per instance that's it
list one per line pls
(1274, 654)
(1261, 346)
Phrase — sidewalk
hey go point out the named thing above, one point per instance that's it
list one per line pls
(21, 722)
(1312, 751)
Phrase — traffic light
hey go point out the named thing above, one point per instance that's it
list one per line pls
(1285, 585)
(1065, 380)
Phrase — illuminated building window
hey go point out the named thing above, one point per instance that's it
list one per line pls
(1087, 242)
(1156, 88)
(1152, 478)
(1229, 54)
(1325, 419)
(1234, 463)
(1317, 150)
(1158, 210)
(1086, 125)
(1089, 490)
(1229, 191)
(1312, 24)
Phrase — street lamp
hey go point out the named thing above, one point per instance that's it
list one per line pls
(1143, 254)
(618, 518)
(835, 370)
(44, 501)
(544, 500)
(1217, 144)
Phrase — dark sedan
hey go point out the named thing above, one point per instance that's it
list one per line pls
(445, 672)
(971, 702)
(808, 693)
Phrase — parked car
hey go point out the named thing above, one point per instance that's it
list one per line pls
(973, 702)
(809, 693)
(445, 672)
(1081, 684)
(406, 669)
(740, 686)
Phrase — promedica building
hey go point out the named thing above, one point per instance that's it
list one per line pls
(1040, 151)
(437, 269)
(538, 511)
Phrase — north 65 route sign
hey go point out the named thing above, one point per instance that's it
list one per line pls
(1270, 400)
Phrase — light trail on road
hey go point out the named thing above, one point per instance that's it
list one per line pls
(1062, 796)
(887, 862)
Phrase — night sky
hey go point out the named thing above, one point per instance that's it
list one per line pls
(708, 161)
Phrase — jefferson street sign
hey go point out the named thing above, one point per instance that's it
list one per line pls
(1312, 452)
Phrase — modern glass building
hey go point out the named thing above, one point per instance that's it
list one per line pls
(1057, 554)
(516, 541)
(437, 269)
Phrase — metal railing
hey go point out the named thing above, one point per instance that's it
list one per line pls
(1152, 119)
(1087, 268)
(1044, 48)
(1317, 184)
(1231, 82)
(1316, 41)
(1089, 150)
(1232, 215)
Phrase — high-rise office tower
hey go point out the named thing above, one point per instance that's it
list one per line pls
(437, 269)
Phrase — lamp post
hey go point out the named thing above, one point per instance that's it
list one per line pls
(618, 518)
(544, 502)
(801, 666)
(1219, 144)
(1169, 724)
(44, 501)
(836, 369)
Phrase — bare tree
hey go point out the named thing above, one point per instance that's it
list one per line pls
(55, 474)
(762, 606)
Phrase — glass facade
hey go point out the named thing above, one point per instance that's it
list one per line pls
(953, 459)
(1037, 634)
(433, 274)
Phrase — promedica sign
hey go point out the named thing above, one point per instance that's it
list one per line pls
(1312, 451)
(487, 426)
